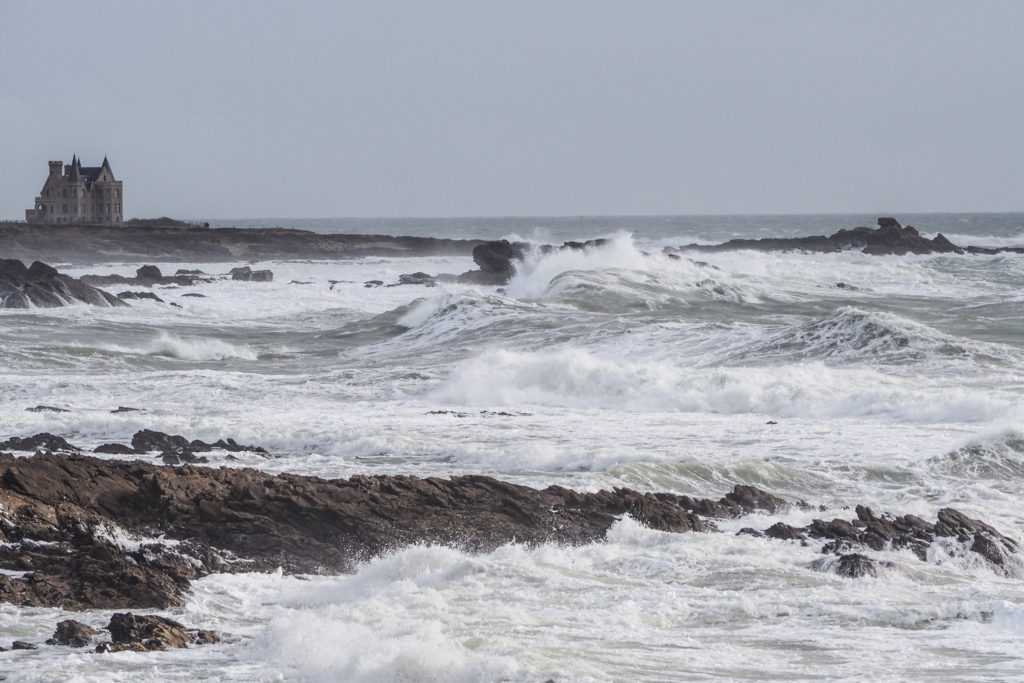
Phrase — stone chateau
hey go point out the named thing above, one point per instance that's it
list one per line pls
(79, 194)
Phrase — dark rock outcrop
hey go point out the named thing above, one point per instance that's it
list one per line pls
(73, 634)
(41, 441)
(417, 279)
(888, 238)
(46, 409)
(114, 449)
(174, 450)
(58, 510)
(42, 286)
(855, 565)
(127, 631)
(125, 296)
(497, 259)
(888, 532)
(149, 273)
(149, 278)
(247, 274)
(151, 633)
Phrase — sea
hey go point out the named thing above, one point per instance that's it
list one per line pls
(842, 379)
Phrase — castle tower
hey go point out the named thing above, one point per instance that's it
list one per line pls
(79, 194)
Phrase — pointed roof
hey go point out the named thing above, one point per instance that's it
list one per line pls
(76, 169)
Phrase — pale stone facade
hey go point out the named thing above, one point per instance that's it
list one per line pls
(81, 194)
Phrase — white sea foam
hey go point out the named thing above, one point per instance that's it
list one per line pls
(578, 378)
(594, 369)
(536, 272)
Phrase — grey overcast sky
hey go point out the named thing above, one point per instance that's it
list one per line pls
(478, 108)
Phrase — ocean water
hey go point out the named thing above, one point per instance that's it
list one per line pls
(903, 391)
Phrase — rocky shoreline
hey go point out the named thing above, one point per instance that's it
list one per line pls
(80, 532)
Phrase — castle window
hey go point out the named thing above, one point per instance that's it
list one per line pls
(117, 193)
(65, 194)
(65, 209)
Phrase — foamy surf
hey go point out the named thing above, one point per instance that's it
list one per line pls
(618, 366)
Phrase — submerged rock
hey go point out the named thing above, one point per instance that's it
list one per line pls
(417, 279)
(47, 409)
(139, 295)
(855, 565)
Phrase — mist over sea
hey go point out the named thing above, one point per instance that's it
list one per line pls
(902, 389)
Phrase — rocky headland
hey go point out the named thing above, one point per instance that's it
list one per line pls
(170, 241)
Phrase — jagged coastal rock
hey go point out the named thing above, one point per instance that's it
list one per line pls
(146, 276)
(497, 259)
(134, 632)
(61, 516)
(888, 238)
(40, 285)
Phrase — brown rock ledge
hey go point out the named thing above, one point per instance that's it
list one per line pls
(80, 532)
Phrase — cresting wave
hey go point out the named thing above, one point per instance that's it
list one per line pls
(854, 335)
(168, 345)
(578, 378)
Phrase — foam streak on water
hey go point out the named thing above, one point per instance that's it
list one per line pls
(901, 389)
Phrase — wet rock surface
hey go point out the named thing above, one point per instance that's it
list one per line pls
(497, 259)
(247, 274)
(126, 296)
(42, 286)
(73, 633)
(92, 533)
(42, 441)
(151, 633)
(146, 276)
(58, 513)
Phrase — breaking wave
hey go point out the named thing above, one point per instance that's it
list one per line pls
(998, 456)
(851, 335)
(577, 378)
